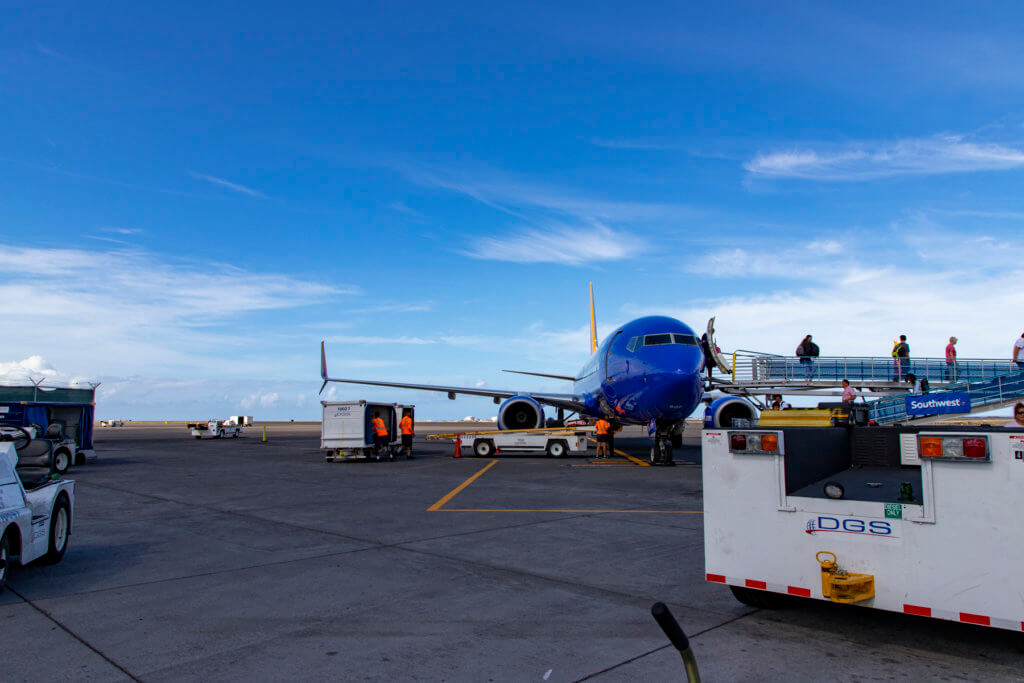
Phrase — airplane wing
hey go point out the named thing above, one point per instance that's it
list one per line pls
(571, 402)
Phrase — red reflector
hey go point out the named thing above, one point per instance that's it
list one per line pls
(802, 592)
(763, 585)
(974, 448)
(716, 578)
(738, 442)
(918, 611)
(979, 619)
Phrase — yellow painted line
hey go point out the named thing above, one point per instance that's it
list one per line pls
(629, 457)
(643, 512)
(455, 491)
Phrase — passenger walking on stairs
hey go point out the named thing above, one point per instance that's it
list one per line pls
(1018, 352)
(950, 375)
(807, 351)
(901, 356)
(603, 429)
(407, 432)
(849, 393)
(380, 434)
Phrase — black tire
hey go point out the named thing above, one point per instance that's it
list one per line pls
(79, 459)
(60, 531)
(235, 435)
(198, 436)
(61, 461)
(557, 449)
(760, 599)
(483, 448)
(5, 558)
(220, 434)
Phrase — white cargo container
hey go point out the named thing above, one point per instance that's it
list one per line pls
(346, 431)
(918, 520)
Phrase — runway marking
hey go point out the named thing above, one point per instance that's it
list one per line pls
(644, 512)
(439, 505)
(455, 491)
(629, 457)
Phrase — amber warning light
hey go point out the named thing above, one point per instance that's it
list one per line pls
(955, 448)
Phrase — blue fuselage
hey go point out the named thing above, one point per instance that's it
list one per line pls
(635, 376)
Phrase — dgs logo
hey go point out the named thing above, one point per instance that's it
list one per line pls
(849, 525)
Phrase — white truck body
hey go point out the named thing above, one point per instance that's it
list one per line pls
(26, 516)
(241, 420)
(556, 443)
(215, 429)
(952, 551)
(346, 432)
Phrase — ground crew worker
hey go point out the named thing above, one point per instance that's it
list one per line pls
(407, 431)
(380, 434)
(603, 428)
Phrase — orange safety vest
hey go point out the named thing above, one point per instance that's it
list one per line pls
(602, 427)
(406, 425)
(378, 427)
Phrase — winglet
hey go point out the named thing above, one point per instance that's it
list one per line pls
(323, 366)
(593, 322)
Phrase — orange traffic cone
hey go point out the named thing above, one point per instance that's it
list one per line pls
(458, 446)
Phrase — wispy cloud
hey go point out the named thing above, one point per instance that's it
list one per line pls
(870, 160)
(106, 239)
(396, 307)
(372, 340)
(122, 231)
(228, 184)
(568, 245)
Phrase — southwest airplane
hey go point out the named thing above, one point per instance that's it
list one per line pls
(648, 369)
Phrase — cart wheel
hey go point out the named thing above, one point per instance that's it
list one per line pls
(235, 435)
(483, 448)
(753, 597)
(198, 437)
(62, 461)
(5, 558)
(60, 529)
(557, 449)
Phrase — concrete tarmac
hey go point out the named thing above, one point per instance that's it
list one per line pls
(233, 560)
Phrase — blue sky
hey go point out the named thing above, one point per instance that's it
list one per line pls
(192, 197)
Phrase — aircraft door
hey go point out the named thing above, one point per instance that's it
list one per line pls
(614, 363)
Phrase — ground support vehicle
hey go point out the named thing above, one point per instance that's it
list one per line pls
(111, 423)
(905, 518)
(346, 432)
(214, 429)
(557, 443)
(35, 511)
(60, 419)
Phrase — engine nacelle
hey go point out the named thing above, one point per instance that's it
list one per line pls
(520, 412)
(720, 413)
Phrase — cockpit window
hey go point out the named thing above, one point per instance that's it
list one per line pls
(662, 339)
(657, 339)
(633, 343)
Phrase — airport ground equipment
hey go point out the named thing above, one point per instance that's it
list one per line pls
(243, 420)
(346, 431)
(36, 510)
(914, 519)
(554, 442)
(111, 423)
(755, 372)
(64, 414)
(214, 429)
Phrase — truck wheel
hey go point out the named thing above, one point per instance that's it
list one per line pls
(220, 434)
(198, 437)
(5, 557)
(483, 448)
(557, 449)
(60, 529)
(753, 597)
(61, 461)
(79, 459)
(235, 435)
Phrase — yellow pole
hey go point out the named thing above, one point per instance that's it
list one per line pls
(264, 439)
(733, 366)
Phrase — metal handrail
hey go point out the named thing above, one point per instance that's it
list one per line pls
(989, 393)
(749, 366)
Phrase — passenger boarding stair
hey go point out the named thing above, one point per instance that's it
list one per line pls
(987, 394)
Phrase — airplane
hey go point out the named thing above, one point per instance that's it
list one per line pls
(649, 369)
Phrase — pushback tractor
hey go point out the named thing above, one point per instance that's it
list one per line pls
(921, 520)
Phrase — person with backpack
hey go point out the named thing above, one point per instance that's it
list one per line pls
(807, 351)
(901, 358)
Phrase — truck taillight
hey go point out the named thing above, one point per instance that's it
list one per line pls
(738, 442)
(965, 449)
(756, 443)
(975, 448)
(769, 442)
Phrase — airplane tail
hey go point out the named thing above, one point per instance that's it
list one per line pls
(323, 366)
(593, 322)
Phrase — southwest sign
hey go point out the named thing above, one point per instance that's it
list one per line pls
(952, 402)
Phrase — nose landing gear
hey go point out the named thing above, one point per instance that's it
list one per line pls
(665, 435)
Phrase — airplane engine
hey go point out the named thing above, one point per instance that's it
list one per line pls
(520, 412)
(721, 412)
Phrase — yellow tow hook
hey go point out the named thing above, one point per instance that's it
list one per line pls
(839, 585)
